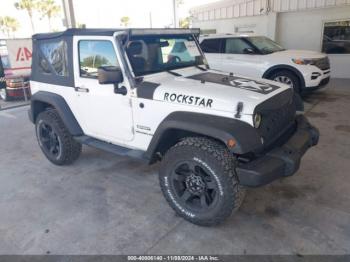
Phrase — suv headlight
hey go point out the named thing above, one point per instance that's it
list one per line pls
(300, 61)
(257, 120)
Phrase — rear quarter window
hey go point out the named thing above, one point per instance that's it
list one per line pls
(212, 45)
(53, 58)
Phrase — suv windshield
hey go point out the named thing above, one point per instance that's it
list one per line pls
(5, 62)
(264, 44)
(152, 54)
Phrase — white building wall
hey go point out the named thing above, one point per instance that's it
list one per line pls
(256, 23)
(227, 9)
(297, 5)
(262, 25)
(304, 30)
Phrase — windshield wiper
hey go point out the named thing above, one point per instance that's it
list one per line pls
(173, 73)
(201, 68)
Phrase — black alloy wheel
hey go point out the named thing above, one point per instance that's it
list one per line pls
(54, 139)
(194, 186)
(49, 140)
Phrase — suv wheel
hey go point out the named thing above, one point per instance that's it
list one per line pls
(54, 139)
(198, 180)
(288, 78)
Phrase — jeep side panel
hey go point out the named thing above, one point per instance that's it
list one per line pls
(41, 100)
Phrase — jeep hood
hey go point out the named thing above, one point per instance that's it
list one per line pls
(211, 89)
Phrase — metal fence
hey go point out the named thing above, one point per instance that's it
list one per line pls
(17, 93)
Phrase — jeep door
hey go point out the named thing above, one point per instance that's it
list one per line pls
(106, 115)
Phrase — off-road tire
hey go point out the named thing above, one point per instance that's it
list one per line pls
(221, 165)
(290, 75)
(70, 149)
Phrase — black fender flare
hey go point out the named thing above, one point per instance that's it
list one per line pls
(285, 67)
(42, 98)
(217, 127)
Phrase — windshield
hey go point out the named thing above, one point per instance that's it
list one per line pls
(5, 62)
(265, 45)
(152, 54)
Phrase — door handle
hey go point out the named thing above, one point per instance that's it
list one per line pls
(81, 89)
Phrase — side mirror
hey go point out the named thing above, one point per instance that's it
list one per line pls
(248, 51)
(110, 75)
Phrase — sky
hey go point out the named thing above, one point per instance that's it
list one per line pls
(103, 14)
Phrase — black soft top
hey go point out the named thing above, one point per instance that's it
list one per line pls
(111, 31)
(52, 60)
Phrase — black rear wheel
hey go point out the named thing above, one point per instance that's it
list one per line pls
(50, 141)
(54, 139)
(198, 180)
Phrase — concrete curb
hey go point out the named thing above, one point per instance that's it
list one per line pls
(12, 107)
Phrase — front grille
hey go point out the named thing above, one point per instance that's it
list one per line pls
(322, 63)
(324, 81)
(278, 114)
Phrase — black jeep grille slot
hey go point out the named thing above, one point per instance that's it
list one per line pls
(322, 63)
(276, 120)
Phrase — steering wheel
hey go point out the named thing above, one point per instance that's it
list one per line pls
(174, 59)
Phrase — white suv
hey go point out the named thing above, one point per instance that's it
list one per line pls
(259, 56)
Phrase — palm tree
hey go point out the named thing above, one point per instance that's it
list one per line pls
(49, 9)
(185, 22)
(125, 21)
(8, 24)
(29, 6)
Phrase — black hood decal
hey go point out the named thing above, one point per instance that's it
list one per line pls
(146, 89)
(238, 82)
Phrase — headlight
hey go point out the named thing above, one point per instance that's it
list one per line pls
(300, 61)
(257, 120)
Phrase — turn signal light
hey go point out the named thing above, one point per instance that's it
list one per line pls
(231, 143)
(298, 61)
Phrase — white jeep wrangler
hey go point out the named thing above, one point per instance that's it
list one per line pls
(124, 91)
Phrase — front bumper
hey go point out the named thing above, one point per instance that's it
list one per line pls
(322, 84)
(281, 161)
(315, 77)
